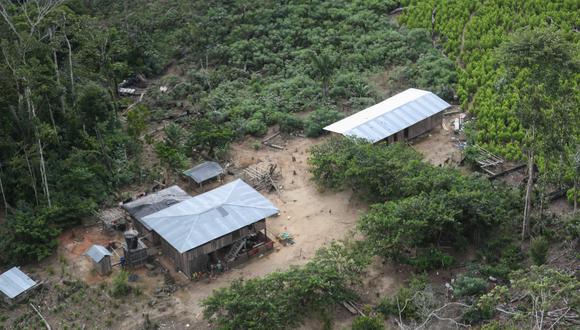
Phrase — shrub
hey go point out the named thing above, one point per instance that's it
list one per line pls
(431, 259)
(289, 122)
(484, 308)
(570, 195)
(539, 250)
(404, 299)
(120, 285)
(317, 120)
(571, 230)
(282, 300)
(501, 255)
(256, 127)
(468, 286)
(367, 323)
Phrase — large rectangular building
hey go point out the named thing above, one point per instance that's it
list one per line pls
(210, 228)
(401, 117)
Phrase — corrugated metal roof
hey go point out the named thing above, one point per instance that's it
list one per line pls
(97, 252)
(155, 202)
(14, 282)
(210, 215)
(204, 171)
(390, 116)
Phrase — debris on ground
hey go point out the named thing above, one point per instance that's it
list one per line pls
(286, 238)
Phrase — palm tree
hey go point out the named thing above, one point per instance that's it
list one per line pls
(323, 66)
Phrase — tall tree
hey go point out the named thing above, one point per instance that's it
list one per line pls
(536, 62)
(323, 66)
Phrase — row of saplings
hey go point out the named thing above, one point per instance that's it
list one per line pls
(419, 213)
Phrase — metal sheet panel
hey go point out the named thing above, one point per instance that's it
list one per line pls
(205, 217)
(390, 116)
(14, 282)
(155, 202)
(97, 252)
(204, 171)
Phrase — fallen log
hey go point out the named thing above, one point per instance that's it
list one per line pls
(42, 317)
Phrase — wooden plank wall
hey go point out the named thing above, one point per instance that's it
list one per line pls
(194, 260)
(419, 128)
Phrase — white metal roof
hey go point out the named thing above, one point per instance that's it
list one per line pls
(14, 282)
(391, 115)
(213, 214)
(97, 252)
(204, 171)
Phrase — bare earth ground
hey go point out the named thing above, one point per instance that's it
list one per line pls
(314, 218)
(439, 146)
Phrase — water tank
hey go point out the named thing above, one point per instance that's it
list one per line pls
(132, 239)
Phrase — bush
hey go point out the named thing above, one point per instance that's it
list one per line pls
(367, 323)
(120, 284)
(281, 300)
(571, 230)
(289, 122)
(539, 250)
(319, 119)
(501, 255)
(570, 195)
(404, 299)
(468, 286)
(256, 127)
(431, 259)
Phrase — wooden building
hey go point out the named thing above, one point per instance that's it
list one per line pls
(213, 227)
(204, 172)
(401, 117)
(15, 286)
(150, 204)
(101, 259)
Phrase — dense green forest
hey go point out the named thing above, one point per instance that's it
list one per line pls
(65, 147)
(468, 32)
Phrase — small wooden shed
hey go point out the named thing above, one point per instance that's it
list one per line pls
(101, 258)
(204, 172)
(15, 285)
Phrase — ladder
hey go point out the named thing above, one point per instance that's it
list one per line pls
(236, 248)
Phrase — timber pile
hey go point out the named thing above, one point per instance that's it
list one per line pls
(353, 307)
(487, 161)
(262, 177)
(268, 142)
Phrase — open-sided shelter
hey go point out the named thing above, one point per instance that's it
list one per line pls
(15, 285)
(401, 117)
(204, 172)
(193, 232)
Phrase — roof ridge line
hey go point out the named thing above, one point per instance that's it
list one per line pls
(248, 206)
(189, 233)
(237, 181)
(388, 111)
